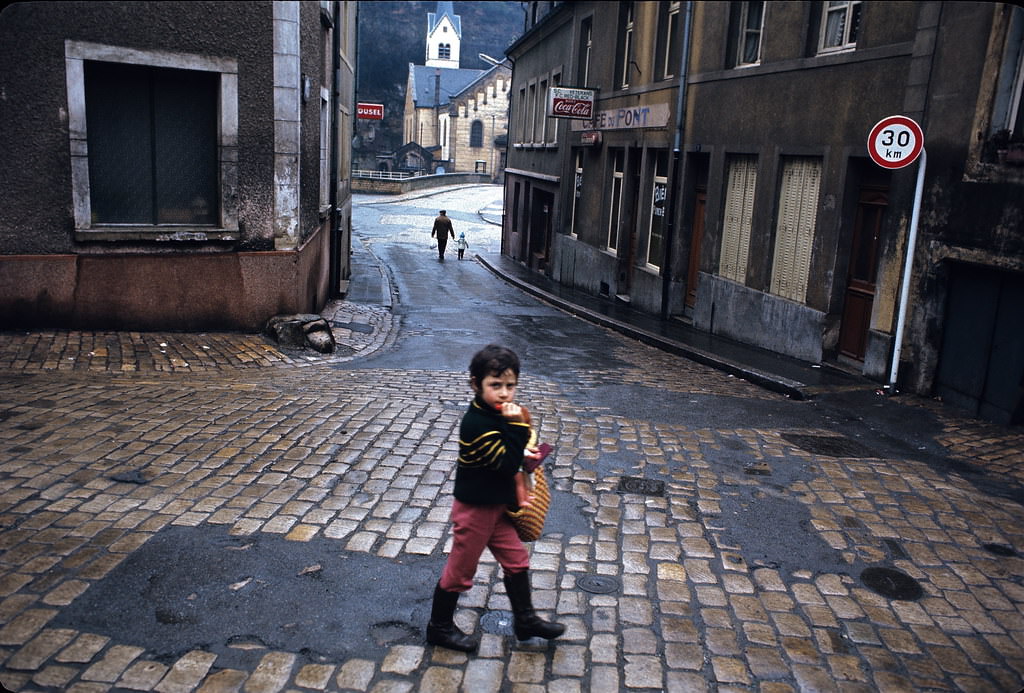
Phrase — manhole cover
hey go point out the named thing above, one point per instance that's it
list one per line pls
(1000, 550)
(598, 584)
(497, 623)
(830, 446)
(645, 487)
(892, 583)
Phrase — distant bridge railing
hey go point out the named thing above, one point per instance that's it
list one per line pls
(386, 183)
(382, 175)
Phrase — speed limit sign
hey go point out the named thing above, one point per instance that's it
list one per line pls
(895, 142)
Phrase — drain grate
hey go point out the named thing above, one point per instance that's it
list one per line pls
(1001, 550)
(892, 583)
(497, 623)
(598, 584)
(645, 487)
(830, 446)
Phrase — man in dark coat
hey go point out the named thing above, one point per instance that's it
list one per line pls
(442, 228)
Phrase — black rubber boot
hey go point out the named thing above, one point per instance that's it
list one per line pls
(527, 623)
(442, 630)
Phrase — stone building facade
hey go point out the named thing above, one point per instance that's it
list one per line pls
(459, 115)
(174, 165)
(725, 179)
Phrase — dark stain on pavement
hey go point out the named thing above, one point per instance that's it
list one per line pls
(189, 588)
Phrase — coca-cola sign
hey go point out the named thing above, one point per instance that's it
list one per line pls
(567, 102)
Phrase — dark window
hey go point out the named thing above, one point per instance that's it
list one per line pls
(749, 39)
(583, 62)
(444, 51)
(668, 47)
(840, 26)
(624, 49)
(476, 134)
(152, 144)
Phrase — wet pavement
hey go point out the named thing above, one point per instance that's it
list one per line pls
(209, 512)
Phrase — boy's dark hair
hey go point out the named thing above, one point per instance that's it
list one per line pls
(493, 360)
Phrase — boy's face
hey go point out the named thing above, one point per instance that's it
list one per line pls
(495, 389)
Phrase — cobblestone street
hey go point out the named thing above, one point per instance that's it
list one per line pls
(111, 443)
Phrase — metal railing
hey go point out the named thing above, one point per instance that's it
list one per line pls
(382, 175)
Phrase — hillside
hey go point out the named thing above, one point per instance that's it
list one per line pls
(393, 34)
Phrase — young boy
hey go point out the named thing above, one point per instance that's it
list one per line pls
(461, 244)
(493, 439)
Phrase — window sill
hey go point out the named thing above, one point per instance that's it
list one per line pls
(160, 234)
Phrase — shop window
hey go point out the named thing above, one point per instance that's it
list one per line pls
(577, 192)
(659, 196)
(618, 168)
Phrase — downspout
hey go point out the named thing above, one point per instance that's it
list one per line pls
(908, 273)
(334, 245)
(505, 232)
(677, 187)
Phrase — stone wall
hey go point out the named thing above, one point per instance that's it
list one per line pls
(379, 186)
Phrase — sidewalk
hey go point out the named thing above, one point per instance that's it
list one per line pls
(796, 379)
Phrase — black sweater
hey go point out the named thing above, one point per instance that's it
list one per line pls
(490, 453)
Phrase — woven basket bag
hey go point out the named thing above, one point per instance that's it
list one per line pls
(529, 519)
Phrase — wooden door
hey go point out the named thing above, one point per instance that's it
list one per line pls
(696, 236)
(862, 273)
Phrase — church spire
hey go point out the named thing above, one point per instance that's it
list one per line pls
(444, 36)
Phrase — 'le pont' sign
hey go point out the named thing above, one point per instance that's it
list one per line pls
(570, 102)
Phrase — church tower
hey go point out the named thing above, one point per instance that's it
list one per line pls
(444, 34)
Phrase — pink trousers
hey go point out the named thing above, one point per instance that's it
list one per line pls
(475, 527)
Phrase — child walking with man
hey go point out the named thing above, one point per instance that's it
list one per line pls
(493, 438)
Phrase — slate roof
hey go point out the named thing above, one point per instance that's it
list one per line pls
(453, 81)
(434, 18)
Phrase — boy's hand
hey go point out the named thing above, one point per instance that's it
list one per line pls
(512, 411)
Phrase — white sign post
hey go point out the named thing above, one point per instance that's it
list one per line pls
(893, 143)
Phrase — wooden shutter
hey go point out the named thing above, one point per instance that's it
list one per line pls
(794, 233)
(739, 211)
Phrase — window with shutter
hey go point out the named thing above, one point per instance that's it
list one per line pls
(739, 210)
(794, 233)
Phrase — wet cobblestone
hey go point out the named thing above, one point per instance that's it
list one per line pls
(107, 438)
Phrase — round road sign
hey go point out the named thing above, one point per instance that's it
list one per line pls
(895, 142)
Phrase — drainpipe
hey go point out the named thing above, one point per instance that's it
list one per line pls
(677, 187)
(908, 267)
(334, 244)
